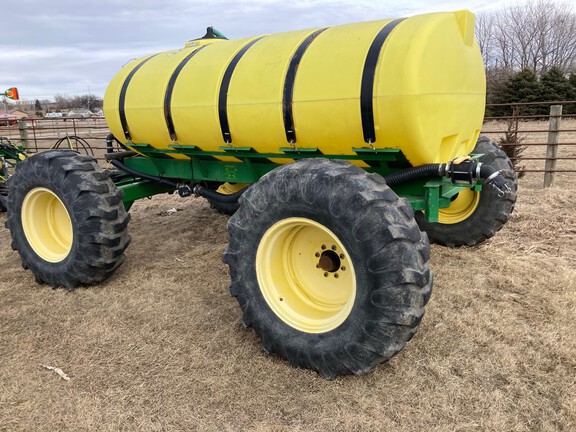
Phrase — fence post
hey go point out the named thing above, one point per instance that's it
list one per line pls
(552, 147)
(23, 128)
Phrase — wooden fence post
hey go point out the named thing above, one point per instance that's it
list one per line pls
(552, 147)
(23, 128)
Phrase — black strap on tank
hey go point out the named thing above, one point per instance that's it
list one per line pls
(368, 77)
(289, 85)
(122, 102)
(223, 96)
(170, 89)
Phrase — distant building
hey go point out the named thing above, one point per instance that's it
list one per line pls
(8, 119)
(19, 114)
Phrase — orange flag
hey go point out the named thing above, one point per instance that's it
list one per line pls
(12, 93)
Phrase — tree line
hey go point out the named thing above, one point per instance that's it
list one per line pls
(60, 103)
(529, 53)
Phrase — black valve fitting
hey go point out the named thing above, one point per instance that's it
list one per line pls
(470, 170)
(466, 171)
(459, 171)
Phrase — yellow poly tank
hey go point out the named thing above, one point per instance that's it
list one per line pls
(416, 84)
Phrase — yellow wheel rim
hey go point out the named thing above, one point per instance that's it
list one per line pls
(461, 208)
(306, 275)
(47, 225)
(230, 188)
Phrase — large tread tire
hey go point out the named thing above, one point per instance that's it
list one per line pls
(3, 191)
(492, 211)
(389, 254)
(96, 214)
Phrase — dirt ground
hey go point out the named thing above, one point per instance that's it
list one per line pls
(160, 346)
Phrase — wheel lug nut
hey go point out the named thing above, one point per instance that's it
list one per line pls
(333, 247)
(336, 275)
(317, 254)
(323, 247)
(341, 256)
(325, 274)
(343, 268)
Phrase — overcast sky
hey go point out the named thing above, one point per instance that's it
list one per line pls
(73, 47)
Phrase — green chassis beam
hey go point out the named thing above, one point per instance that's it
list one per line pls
(437, 195)
(137, 189)
(247, 166)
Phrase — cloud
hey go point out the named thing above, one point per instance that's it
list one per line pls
(66, 46)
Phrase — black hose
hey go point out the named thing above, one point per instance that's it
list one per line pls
(492, 176)
(110, 139)
(468, 170)
(416, 173)
(218, 197)
(119, 155)
(110, 143)
(117, 164)
(121, 166)
(85, 146)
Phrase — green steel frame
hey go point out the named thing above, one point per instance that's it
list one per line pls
(10, 155)
(244, 165)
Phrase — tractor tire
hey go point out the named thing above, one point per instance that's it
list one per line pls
(67, 219)
(474, 217)
(3, 192)
(328, 266)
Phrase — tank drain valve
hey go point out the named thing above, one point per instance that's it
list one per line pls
(460, 170)
(498, 183)
(184, 190)
(469, 170)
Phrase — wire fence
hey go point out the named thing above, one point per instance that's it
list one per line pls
(40, 134)
(536, 143)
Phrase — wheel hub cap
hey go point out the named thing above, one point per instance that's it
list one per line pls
(47, 225)
(305, 275)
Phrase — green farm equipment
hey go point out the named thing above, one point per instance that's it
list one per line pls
(10, 155)
(338, 151)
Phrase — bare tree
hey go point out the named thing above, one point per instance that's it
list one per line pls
(81, 101)
(62, 102)
(485, 38)
(537, 35)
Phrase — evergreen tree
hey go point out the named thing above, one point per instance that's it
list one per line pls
(38, 108)
(572, 80)
(496, 79)
(572, 107)
(556, 86)
(523, 86)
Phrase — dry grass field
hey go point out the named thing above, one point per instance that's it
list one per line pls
(160, 346)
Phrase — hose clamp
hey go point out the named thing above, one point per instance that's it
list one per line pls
(492, 176)
(478, 170)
